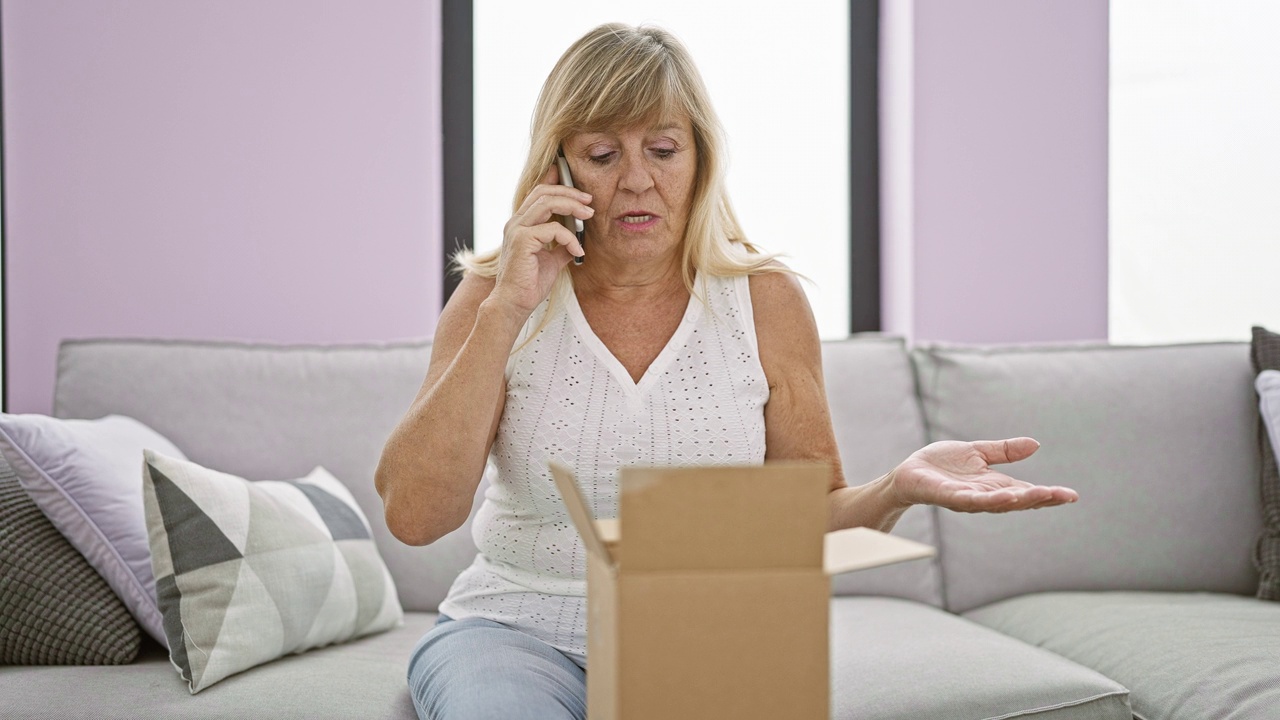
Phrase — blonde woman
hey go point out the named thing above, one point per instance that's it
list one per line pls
(675, 342)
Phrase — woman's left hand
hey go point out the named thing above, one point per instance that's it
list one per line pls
(958, 476)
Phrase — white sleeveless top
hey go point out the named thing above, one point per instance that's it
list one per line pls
(568, 398)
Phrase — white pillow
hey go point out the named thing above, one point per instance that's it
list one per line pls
(248, 572)
(1268, 386)
(85, 475)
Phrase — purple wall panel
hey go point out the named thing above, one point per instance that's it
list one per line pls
(264, 170)
(1008, 177)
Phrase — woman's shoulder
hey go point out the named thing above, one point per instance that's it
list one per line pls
(777, 287)
(784, 323)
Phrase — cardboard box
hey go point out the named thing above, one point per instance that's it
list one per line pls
(708, 597)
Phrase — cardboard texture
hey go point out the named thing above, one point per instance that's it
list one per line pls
(716, 602)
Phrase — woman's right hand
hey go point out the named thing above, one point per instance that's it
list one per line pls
(535, 246)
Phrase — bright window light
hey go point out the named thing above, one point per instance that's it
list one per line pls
(1195, 169)
(779, 78)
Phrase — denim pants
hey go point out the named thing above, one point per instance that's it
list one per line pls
(477, 669)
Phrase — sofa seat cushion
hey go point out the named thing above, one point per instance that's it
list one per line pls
(365, 678)
(893, 659)
(1182, 655)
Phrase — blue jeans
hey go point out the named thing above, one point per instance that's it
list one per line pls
(477, 669)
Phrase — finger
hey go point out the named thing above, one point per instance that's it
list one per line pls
(981, 500)
(1040, 496)
(553, 232)
(1006, 451)
(550, 179)
(1064, 494)
(541, 208)
(545, 189)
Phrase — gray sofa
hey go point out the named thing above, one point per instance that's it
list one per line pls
(1134, 602)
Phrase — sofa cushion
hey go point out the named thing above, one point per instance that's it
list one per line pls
(1183, 656)
(871, 391)
(1159, 442)
(265, 412)
(365, 678)
(55, 609)
(85, 475)
(893, 659)
(248, 572)
(1265, 352)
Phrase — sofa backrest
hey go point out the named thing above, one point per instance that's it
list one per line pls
(269, 412)
(273, 412)
(1159, 441)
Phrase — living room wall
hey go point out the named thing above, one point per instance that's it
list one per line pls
(994, 168)
(260, 170)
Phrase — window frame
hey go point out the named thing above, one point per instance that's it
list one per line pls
(457, 110)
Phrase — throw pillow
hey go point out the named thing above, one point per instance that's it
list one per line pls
(54, 608)
(83, 475)
(248, 572)
(1266, 356)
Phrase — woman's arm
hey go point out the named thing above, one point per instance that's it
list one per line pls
(954, 475)
(797, 419)
(433, 461)
(435, 457)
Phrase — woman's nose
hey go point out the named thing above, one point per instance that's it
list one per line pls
(636, 176)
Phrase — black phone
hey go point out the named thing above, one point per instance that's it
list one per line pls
(573, 223)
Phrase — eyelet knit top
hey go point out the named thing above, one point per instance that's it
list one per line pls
(701, 402)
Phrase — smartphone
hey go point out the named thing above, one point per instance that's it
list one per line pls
(573, 223)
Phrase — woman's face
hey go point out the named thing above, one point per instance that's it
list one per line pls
(641, 183)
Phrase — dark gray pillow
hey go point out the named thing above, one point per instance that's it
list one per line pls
(55, 609)
(1266, 356)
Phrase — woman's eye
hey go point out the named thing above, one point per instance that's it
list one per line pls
(664, 153)
(601, 159)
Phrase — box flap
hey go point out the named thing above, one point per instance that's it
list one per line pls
(861, 548)
(610, 531)
(724, 517)
(578, 511)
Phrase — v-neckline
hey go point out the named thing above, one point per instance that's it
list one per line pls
(692, 311)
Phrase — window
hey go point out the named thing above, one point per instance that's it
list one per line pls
(1195, 169)
(779, 76)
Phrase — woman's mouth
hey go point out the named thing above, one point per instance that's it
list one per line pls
(638, 221)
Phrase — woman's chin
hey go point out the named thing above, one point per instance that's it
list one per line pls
(638, 247)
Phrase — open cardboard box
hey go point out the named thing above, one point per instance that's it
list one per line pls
(716, 603)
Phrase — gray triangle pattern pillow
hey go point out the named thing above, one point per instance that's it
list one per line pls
(247, 572)
(1266, 356)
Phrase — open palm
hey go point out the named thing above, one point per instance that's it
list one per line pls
(958, 476)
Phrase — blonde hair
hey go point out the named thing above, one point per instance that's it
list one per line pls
(618, 76)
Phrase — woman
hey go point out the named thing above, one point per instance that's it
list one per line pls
(675, 342)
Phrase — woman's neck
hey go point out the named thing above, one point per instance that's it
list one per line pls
(629, 282)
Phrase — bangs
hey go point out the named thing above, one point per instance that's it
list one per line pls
(641, 88)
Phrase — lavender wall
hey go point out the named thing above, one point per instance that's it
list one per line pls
(995, 161)
(261, 170)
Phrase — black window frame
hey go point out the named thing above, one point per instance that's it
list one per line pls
(457, 109)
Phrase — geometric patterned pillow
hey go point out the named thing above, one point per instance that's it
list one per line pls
(55, 609)
(247, 572)
(1265, 352)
